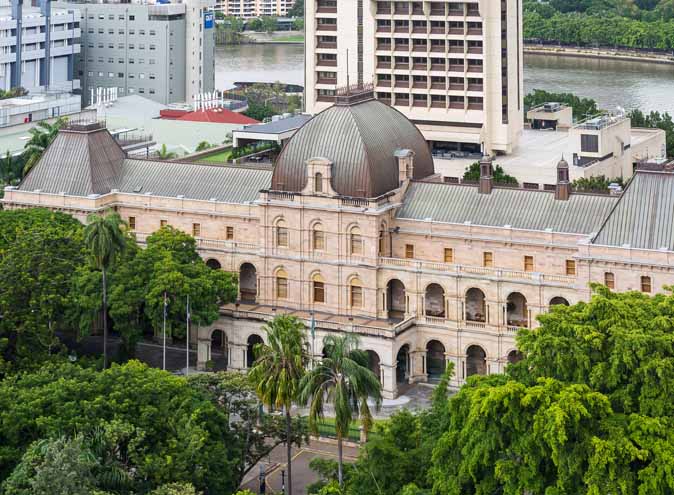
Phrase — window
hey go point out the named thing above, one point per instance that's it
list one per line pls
(528, 263)
(196, 229)
(589, 143)
(570, 267)
(409, 251)
(356, 242)
(645, 284)
(132, 223)
(449, 255)
(488, 259)
(281, 284)
(609, 280)
(318, 288)
(356, 293)
(229, 234)
(318, 238)
(132, 17)
(318, 183)
(152, 32)
(281, 234)
(163, 223)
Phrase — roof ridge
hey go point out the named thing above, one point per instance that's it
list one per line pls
(615, 206)
(362, 142)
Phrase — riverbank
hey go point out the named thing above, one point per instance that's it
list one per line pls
(599, 53)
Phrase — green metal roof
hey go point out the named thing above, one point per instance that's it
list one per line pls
(517, 208)
(643, 218)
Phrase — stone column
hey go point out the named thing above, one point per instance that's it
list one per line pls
(388, 380)
(203, 353)
(238, 356)
(418, 372)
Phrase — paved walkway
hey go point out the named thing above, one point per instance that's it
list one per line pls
(303, 476)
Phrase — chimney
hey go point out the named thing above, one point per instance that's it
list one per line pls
(486, 175)
(563, 186)
(405, 165)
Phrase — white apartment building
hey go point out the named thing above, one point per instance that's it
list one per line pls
(452, 67)
(248, 9)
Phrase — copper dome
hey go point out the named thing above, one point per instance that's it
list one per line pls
(360, 138)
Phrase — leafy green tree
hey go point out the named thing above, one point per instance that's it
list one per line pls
(269, 24)
(472, 174)
(582, 107)
(595, 184)
(104, 236)
(39, 251)
(656, 120)
(344, 379)
(165, 154)
(587, 410)
(60, 466)
(298, 24)
(203, 146)
(235, 395)
(259, 111)
(297, 9)
(279, 366)
(41, 136)
(159, 428)
(255, 25)
(176, 489)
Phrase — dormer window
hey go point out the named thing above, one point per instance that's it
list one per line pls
(318, 183)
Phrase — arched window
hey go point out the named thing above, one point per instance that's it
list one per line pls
(281, 234)
(356, 242)
(646, 285)
(318, 237)
(356, 293)
(609, 280)
(318, 288)
(281, 284)
(318, 183)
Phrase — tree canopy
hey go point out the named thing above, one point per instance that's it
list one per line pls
(588, 410)
(472, 174)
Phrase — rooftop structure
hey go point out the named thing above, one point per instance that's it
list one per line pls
(37, 106)
(142, 115)
(359, 160)
(212, 115)
(279, 130)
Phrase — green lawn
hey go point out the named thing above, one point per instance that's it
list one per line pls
(326, 428)
(294, 37)
(221, 157)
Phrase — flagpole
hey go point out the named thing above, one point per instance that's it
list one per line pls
(164, 343)
(187, 358)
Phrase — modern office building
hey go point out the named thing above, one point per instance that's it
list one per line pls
(247, 9)
(38, 46)
(165, 52)
(353, 230)
(453, 67)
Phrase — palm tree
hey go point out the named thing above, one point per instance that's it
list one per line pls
(41, 136)
(278, 369)
(105, 239)
(165, 154)
(344, 379)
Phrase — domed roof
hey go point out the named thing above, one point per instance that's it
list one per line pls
(360, 138)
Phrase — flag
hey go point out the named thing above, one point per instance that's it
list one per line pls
(313, 326)
(165, 305)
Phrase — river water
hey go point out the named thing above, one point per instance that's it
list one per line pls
(611, 82)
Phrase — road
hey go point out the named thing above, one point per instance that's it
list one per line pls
(302, 474)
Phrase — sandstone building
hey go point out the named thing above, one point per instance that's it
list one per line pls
(353, 227)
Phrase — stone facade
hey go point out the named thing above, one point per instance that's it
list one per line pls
(418, 293)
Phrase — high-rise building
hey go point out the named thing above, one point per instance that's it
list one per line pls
(453, 68)
(165, 52)
(254, 8)
(39, 45)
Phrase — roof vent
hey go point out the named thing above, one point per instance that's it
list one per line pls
(93, 196)
(626, 246)
(213, 200)
(507, 226)
(428, 219)
(149, 193)
(468, 222)
(137, 189)
(180, 196)
(38, 190)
